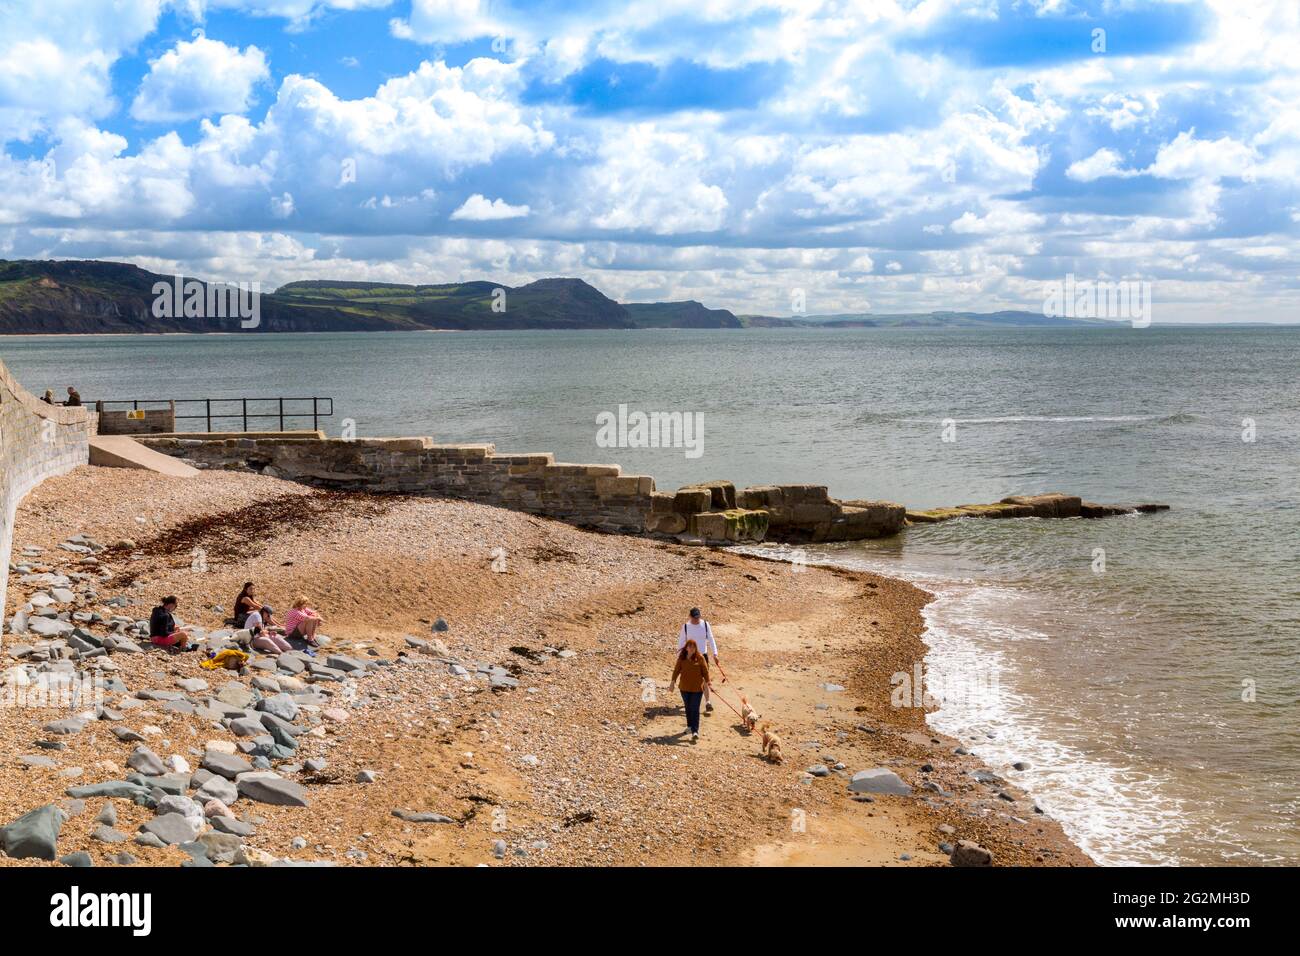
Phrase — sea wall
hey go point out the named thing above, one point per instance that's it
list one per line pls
(37, 440)
(598, 496)
(144, 421)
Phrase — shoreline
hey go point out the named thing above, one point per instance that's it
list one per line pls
(455, 747)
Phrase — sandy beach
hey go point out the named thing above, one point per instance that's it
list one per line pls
(572, 766)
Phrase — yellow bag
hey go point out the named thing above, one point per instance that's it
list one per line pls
(228, 659)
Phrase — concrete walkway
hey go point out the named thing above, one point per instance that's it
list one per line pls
(119, 451)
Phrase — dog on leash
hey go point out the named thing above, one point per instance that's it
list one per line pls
(771, 743)
(748, 714)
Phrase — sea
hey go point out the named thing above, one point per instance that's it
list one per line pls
(1145, 669)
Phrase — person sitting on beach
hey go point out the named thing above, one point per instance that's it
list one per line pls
(300, 623)
(263, 638)
(74, 398)
(698, 630)
(693, 671)
(246, 604)
(48, 397)
(163, 630)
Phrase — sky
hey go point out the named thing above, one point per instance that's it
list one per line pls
(878, 155)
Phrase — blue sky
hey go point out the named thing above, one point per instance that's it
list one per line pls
(879, 155)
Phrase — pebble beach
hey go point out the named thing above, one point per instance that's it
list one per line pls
(494, 690)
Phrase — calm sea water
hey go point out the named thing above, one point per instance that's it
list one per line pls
(1157, 701)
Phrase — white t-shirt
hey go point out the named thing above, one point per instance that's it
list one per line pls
(701, 634)
(253, 621)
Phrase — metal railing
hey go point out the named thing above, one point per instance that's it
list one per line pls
(320, 408)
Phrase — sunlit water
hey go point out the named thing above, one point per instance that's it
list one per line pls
(1122, 689)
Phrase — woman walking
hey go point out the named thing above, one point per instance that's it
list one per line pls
(692, 671)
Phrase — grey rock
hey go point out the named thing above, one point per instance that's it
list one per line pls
(367, 776)
(171, 828)
(126, 735)
(68, 725)
(413, 816)
(218, 788)
(111, 788)
(274, 790)
(123, 859)
(146, 761)
(37, 760)
(819, 770)
(106, 834)
(34, 835)
(108, 815)
(150, 839)
(80, 858)
(879, 780)
(232, 826)
(227, 765)
(192, 685)
(221, 847)
(279, 705)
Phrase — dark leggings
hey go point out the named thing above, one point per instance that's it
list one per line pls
(691, 698)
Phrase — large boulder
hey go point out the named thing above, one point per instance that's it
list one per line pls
(34, 835)
(879, 780)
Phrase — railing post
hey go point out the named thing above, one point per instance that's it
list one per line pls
(209, 406)
(245, 414)
(315, 417)
(282, 414)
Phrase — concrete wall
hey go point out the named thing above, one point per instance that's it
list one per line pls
(145, 421)
(36, 441)
(597, 496)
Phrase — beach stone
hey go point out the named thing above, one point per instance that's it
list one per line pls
(146, 762)
(126, 734)
(150, 839)
(367, 776)
(48, 627)
(236, 695)
(220, 746)
(315, 764)
(37, 760)
(290, 664)
(192, 685)
(228, 824)
(68, 725)
(221, 847)
(413, 816)
(279, 705)
(226, 765)
(80, 858)
(341, 662)
(247, 727)
(171, 828)
(335, 715)
(108, 815)
(879, 780)
(819, 770)
(191, 810)
(970, 854)
(440, 626)
(106, 834)
(218, 789)
(34, 835)
(121, 789)
(273, 790)
(123, 859)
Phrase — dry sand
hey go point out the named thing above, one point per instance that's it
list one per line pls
(572, 767)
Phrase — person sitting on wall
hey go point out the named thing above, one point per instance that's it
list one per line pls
(163, 629)
(48, 397)
(74, 398)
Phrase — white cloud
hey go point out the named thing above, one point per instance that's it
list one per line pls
(199, 77)
(1187, 157)
(478, 208)
(1104, 162)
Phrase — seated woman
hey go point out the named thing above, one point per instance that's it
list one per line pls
(246, 604)
(300, 623)
(259, 625)
(163, 630)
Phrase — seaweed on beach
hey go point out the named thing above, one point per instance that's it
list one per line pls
(236, 536)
